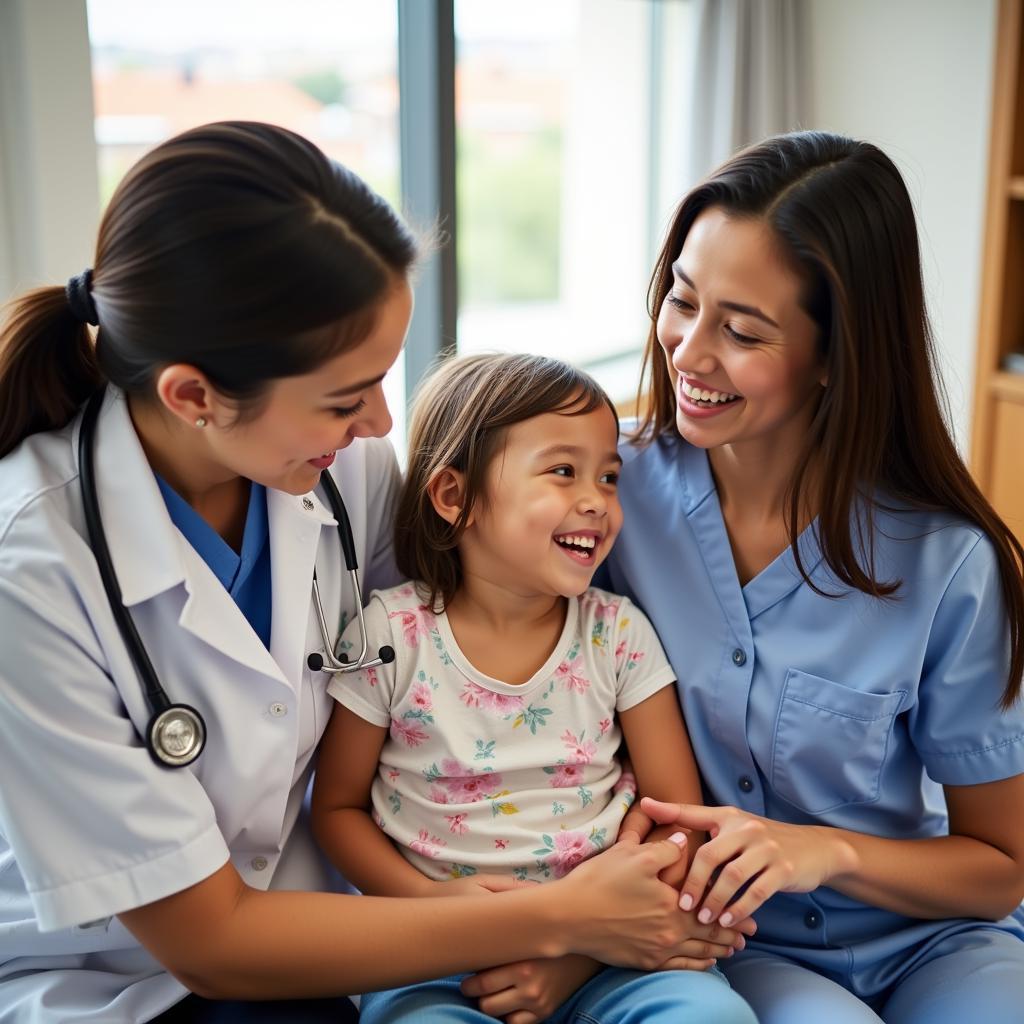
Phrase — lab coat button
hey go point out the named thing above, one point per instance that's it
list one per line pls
(258, 863)
(278, 710)
(812, 919)
(746, 783)
(739, 656)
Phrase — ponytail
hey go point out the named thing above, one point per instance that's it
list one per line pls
(47, 365)
(238, 248)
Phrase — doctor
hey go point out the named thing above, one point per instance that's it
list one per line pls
(250, 297)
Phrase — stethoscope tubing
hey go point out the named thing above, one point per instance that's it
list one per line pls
(176, 733)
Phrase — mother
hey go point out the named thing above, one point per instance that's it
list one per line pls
(844, 609)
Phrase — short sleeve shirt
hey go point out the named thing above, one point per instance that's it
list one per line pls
(481, 775)
(841, 710)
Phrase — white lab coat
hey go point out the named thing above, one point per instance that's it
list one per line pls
(89, 825)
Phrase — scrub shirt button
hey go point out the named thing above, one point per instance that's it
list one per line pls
(258, 863)
(746, 784)
(739, 656)
(812, 919)
(278, 710)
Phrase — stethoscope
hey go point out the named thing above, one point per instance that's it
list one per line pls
(176, 733)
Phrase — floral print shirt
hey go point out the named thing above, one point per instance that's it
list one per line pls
(481, 775)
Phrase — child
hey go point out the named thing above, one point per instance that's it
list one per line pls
(489, 748)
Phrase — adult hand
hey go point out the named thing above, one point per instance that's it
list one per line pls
(749, 851)
(531, 990)
(618, 910)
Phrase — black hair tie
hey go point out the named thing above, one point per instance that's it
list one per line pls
(79, 293)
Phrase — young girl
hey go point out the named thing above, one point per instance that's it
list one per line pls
(491, 743)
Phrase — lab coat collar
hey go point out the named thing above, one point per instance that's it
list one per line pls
(150, 556)
(143, 542)
(295, 525)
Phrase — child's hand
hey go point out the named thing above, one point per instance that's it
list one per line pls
(531, 990)
(637, 822)
(476, 885)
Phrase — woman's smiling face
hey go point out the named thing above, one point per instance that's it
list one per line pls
(741, 349)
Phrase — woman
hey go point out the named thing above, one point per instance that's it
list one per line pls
(250, 297)
(843, 608)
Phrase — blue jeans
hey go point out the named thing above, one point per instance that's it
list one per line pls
(615, 996)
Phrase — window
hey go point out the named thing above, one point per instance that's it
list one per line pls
(563, 160)
(325, 68)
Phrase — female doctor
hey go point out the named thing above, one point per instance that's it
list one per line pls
(845, 610)
(250, 297)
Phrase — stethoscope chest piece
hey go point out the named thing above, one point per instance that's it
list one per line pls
(176, 735)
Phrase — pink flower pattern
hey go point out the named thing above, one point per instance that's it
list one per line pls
(411, 733)
(571, 848)
(415, 623)
(475, 696)
(422, 698)
(567, 776)
(570, 680)
(579, 752)
(466, 786)
(428, 845)
(457, 823)
(452, 783)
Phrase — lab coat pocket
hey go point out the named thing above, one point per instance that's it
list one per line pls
(830, 742)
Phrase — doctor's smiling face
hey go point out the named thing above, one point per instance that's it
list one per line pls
(741, 349)
(302, 421)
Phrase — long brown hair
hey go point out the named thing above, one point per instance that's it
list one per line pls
(237, 247)
(842, 214)
(459, 418)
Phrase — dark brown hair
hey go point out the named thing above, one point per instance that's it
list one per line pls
(237, 247)
(842, 215)
(459, 419)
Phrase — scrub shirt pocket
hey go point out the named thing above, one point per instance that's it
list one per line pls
(830, 742)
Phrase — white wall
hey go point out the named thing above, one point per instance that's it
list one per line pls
(49, 188)
(915, 78)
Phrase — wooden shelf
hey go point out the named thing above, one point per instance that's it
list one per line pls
(1009, 386)
(997, 429)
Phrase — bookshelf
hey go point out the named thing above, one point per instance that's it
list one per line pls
(997, 426)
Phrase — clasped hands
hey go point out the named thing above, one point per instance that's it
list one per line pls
(744, 861)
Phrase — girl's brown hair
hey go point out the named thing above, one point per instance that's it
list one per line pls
(459, 417)
(842, 213)
(237, 247)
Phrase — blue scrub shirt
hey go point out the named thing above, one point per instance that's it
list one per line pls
(846, 711)
(245, 575)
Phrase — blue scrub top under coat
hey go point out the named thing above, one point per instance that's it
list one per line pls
(849, 711)
(244, 575)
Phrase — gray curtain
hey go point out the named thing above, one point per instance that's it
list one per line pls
(748, 76)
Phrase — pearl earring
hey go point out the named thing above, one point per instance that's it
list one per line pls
(200, 421)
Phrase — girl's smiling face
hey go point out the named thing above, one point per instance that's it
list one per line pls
(741, 349)
(551, 510)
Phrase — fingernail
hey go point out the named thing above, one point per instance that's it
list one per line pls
(726, 919)
(704, 916)
(679, 838)
(686, 901)
(730, 951)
